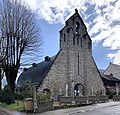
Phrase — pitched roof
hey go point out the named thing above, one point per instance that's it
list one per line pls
(116, 65)
(107, 77)
(114, 69)
(37, 73)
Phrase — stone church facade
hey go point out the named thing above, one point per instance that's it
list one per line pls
(73, 71)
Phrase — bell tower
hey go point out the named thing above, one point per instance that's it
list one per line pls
(74, 34)
(77, 45)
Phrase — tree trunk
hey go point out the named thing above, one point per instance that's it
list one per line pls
(11, 76)
(0, 80)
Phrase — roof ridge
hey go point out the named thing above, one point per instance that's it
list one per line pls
(115, 65)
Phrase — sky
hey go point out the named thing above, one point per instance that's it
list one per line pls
(101, 17)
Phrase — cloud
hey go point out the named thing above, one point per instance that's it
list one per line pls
(115, 57)
(102, 18)
(55, 11)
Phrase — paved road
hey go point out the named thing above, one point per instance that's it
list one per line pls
(110, 108)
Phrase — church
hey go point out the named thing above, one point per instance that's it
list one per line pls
(72, 71)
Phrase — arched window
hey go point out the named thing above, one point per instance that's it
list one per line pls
(77, 27)
(47, 93)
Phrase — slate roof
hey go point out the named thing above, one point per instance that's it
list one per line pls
(116, 65)
(107, 77)
(37, 73)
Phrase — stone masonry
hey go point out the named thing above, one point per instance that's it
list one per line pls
(74, 71)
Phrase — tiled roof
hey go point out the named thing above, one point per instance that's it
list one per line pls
(37, 73)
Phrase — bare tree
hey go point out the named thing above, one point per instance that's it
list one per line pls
(21, 33)
(3, 55)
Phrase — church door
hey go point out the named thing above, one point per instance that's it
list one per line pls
(78, 89)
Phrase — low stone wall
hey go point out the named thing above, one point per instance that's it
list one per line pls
(83, 100)
(45, 106)
(66, 100)
(103, 98)
(116, 97)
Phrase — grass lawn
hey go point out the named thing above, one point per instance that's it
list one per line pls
(18, 105)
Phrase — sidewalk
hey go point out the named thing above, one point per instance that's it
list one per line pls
(4, 111)
(68, 111)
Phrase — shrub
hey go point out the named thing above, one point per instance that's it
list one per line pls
(19, 96)
(1, 96)
(7, 95)
(26, 90)
(110, 95)
(41, 97)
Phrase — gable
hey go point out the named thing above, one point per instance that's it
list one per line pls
(114, 69)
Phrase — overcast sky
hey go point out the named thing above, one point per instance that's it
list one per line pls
(101, 17)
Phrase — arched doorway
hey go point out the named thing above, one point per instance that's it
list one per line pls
(47, 93)
(78, 89)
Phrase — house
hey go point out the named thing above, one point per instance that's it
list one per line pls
(111, 77)
(72, 71)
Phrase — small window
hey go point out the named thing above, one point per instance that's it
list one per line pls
(64, 38)
(84, 36)
(78, 64)
(68, 30)
(89, 45)
(81, 42)
(77, 41)
(77, 27)
(73, 40)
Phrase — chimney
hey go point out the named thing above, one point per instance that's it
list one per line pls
(47, 58)
(25, 69)
(34, 65)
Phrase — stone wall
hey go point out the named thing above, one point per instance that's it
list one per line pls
(74, 63)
